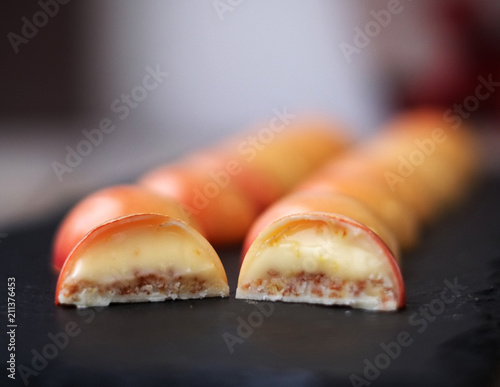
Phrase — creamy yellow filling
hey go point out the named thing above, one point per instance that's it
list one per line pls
(337, 249)
(169, 249)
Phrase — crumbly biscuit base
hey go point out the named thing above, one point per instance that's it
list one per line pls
(143, 288)
(374, 293)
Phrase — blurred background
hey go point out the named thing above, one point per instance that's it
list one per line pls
(166, 77)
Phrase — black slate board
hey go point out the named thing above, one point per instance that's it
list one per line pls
(182, 342)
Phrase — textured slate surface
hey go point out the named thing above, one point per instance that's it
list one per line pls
(446, 337)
